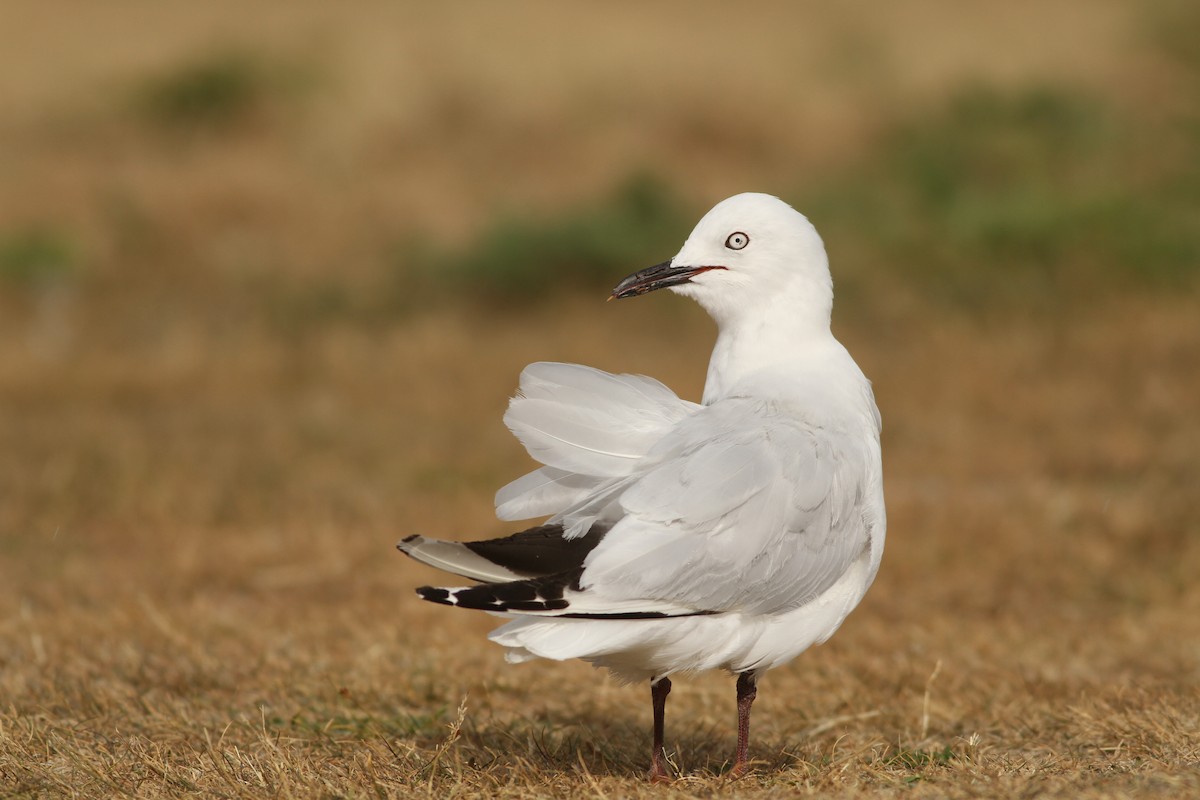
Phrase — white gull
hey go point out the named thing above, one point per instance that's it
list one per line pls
(733, 534)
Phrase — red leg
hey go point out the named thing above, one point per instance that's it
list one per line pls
(658, 761)
(747, 690)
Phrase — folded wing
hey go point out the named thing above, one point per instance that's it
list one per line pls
(746, 510)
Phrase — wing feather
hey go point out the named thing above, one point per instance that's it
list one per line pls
(542, 492)
(588, 427)
(749, 510)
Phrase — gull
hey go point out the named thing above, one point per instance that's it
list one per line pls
(731, 534)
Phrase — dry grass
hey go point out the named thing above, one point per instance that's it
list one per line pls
(201, 594)
(203, 467)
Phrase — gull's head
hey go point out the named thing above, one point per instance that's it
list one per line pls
(749, 252)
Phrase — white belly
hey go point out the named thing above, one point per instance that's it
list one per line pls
(637, 650)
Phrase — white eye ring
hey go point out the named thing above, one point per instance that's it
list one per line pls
(737, 240)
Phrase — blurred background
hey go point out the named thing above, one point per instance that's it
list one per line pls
(268, 274)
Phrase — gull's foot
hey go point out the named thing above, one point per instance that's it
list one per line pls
(658, 774)
(739, 770)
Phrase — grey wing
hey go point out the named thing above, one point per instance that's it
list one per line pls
(747, 510)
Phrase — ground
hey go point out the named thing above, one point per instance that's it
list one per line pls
(212, 435)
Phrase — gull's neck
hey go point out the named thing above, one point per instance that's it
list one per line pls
(780, 335)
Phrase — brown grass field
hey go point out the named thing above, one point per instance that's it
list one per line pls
(212, 431)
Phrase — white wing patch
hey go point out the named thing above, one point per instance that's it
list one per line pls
(590, 428)
(542, 492)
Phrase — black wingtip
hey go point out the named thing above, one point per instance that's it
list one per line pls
(434, 595)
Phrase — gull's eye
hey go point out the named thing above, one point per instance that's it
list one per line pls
(737, 240)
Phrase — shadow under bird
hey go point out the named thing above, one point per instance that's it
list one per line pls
(731, 534)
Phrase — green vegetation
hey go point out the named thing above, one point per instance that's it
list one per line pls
(993, 197)
(35, 257)
(922, 759)
(1002, 193)
(524, 257)
(216, 91)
